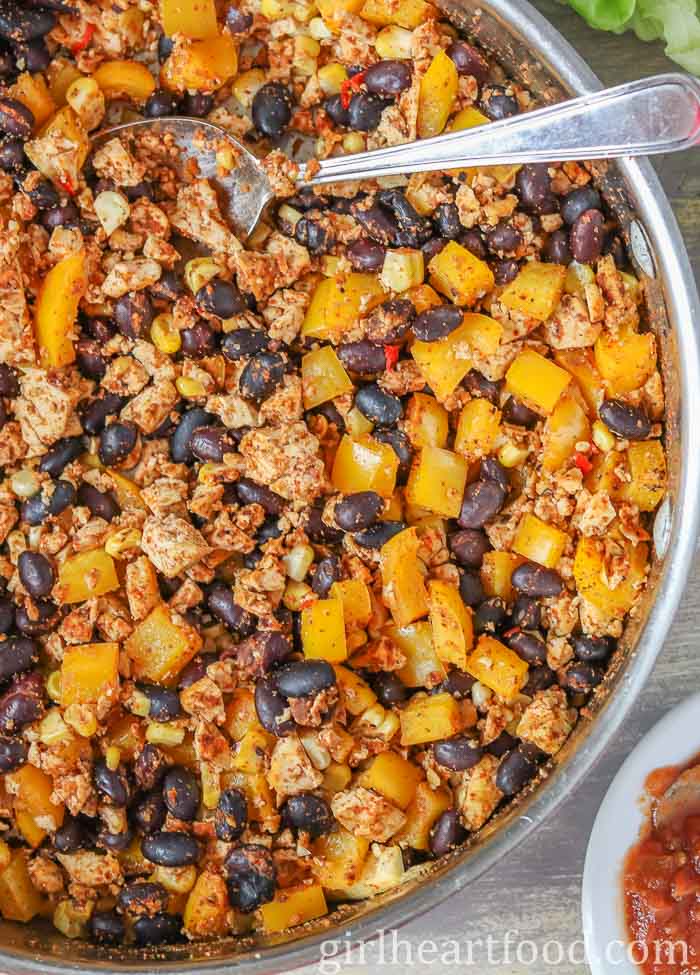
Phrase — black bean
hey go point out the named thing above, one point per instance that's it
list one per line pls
(534, 188)
(9, 385)
(164, 702)
(100, 329)
(318, 531)
(36, 55)
(313, 235)
(221, 604)
(21, 22)
(269, 529)
(272, 709)
(220, 298)
(534, 580)
(390, 689)
(262, 651)
(112, 783)
(470, 588)
(504, 239)
(505, 271)
(378, 223)
(117, 441)
(615, 246)
(529, 647)
(180, 450)
(209, 444)
(388, 77)
(447, 833)
(149, 813)
(196, 104)
(22, 703)
(161, 104)
(15, 118)
(60, 455)
(7, 614)
(304, 678)
(262, 375)
(43, 618)
(468, 60)
(365, 111)
(482, 501)
(490, 615)
(337, 112)
(591, 649)
(363, 357)
(181, 793)
(158, 930)
(514, 772)
(379, 534)
(325, 574)
(308, 813)
(527, 613)
(539, 679)
(458, 753)
(150, 766)
(578, 201)
(515, 412)
(251, 875)
(170, 849)
(579, 677)
(587, 236)
(243, 342)
(366, 255)
(469, 547)
(106, 928)
(142, 189)
(491, 469)
(504, 743)
(89, 359)
(447, 221)
(133, 314)
(357, 511)
(231, 816)
(169, 286)
(626, 421)
(8, 65)
(497, 104)
(199, 341)
(272, 109)
(479, 386)
(36, 573)
(473, 240)
(437, 322)
(101, 505)
(459, 684)
(16, 655)
(237, 21)
(117, 842)
(96, 412)
(65, 215)
(556, 250)
(142, 898)
(71, 836)
(377, 405)
(390, 322)
(12, 159)
(433, 247)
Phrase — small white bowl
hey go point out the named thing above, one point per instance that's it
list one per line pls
(674, 740)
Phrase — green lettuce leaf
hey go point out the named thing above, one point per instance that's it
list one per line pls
(605, 14)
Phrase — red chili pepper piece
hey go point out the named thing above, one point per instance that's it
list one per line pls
(84, 40)
(391, 353)
(583, 463)
(66, 186)
(349, 87)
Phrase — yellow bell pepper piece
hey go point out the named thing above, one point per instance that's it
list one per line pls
(445, 363)
(432, 718)
(323, 377)
(579, 362)
(479, 426)
(625, 360)
(438, 90)
(457, 273)
(89, 673)
(337, 303)
(496, 572)
(203, 65)
(451, 620)
(85, 575)
(31, 790)
(129, 79)
(364, 464)
(591, 579)
(241, 714)
(193, 18)
(423, 667)
(323, 631)
(536, 290)
(356, 601)
(537, 381)
(402, 578)
(567, 426)
(32, 91)
(64, 167)
(355, 693)
(647, 466)
(19, 898)
(405, 13)
(437, 481)
(393, 777)
(498, 667)
(427, 421)
(161, 645)
(539, 542)
(56, 310)
(292, 906)
(207, 908)
(338, 858)
(421, 815)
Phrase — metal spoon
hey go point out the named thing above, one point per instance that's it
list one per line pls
(655, 115)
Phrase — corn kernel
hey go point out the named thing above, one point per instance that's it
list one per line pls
(189, 388)
(122, 541)
(199, 271)
(403, 268)
(176, 880)
(297, 595)
(357, 424)
(211, 786)
(354, 142)
(112, 209)
(318, 29)
(53, 728)
(289, 215)
(53, 686)
(112, 758)
(602, 437)
(330, 266)
(139, 704)
(577, 277)
(159, 733)
(331, 77)
(394, 42)
(388, 727)
(319, 756)
(225, 159)
(164, 335)
(87, 101)
(246, 86)
(24, 483)
(275, 9)
(81, 720)
(298, 562)
(71, 919)
(306, 52)
(5, 855)
(510, 455)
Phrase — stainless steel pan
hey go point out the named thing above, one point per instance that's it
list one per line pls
(531, 50)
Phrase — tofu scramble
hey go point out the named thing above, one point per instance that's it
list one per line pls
(313, 548)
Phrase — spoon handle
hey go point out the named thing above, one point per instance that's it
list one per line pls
(653, 115)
